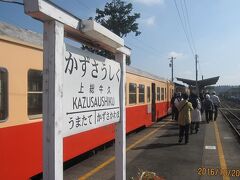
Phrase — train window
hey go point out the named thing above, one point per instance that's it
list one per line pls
(158, 93)
(148, 94)
(3, 94)
(165, 92)
(132, 93)
(141, 93)
(162, 94)
(34, 93)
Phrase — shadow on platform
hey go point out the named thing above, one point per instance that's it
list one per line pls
(168, 135)
(175, 127)
(155, 146)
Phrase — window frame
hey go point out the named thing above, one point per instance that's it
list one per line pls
(141, 93)
(158, 94)
(162, 94)
(4, 70)
(132, 93)
(31, 92)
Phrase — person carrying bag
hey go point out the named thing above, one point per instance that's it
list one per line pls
(184, 118)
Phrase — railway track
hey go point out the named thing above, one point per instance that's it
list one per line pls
(231, 112)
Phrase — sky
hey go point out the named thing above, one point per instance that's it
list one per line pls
(212, 27)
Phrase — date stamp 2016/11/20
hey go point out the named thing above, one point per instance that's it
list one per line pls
(207, 171)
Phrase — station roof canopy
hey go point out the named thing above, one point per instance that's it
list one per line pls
(179, 85)
(201, 83)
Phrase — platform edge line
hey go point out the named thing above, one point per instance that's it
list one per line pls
(220, 150)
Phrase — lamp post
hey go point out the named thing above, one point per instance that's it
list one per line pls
(171, 64)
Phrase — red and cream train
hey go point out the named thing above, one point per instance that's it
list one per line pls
(147, 99)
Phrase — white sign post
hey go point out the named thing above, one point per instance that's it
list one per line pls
(52, 100)
(82, 91)
(120, 132)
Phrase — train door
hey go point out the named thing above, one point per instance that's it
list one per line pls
(153, 103)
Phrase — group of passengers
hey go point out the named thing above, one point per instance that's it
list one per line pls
(187, 111)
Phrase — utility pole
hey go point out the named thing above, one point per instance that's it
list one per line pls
(196, 61)
(171, 65)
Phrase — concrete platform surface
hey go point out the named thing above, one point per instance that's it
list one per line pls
(212, 153)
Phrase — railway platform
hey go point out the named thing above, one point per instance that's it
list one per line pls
(212, 153)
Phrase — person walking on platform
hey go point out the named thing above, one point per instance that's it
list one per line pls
(201, 98)
(216, 103)
(196, 113)
(174, 109)
(177, 100)
(184, 118)
(208, 107)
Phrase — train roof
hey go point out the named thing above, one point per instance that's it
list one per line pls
(36, 39)
(139, 72)
(24, 35)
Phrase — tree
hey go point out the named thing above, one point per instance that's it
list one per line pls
(117, 17)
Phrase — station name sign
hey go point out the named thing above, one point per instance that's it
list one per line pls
(91, 89)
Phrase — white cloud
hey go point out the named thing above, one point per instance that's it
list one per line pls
(150, 2)
(150, 21)
(175, 54)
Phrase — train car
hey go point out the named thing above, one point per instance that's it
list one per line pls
(147, 98)
(21, 62)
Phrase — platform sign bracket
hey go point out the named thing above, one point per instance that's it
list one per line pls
(57, 24)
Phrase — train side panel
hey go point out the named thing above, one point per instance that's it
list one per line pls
(80, 143)
(161, 100)
(137, 113)
(21, 151)
(141, 113)
(18, 59)
(19, 137)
